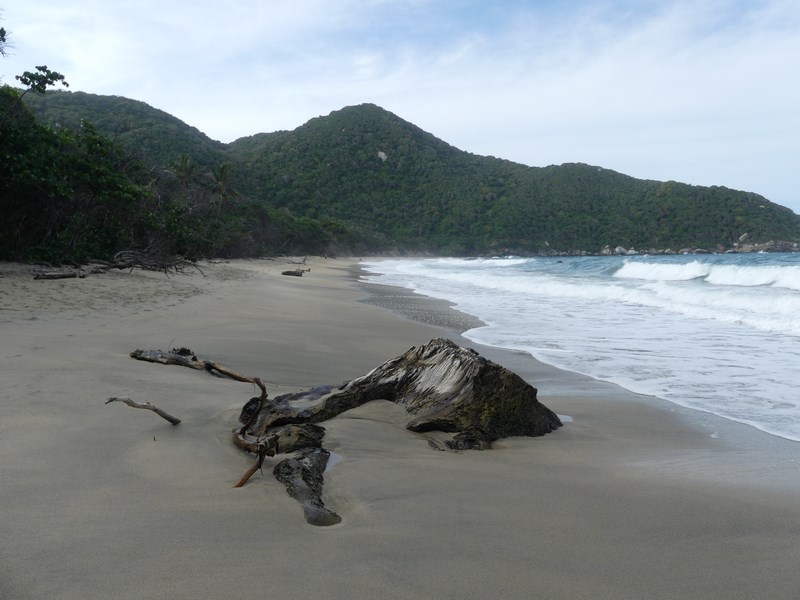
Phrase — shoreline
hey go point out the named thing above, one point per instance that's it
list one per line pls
(630, 499)
(561, 387)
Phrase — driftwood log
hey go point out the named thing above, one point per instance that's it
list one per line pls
(295, 272)
(441, 385)
(146, 260)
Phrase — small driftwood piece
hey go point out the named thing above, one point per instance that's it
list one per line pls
(145, 405)
(295, 272)
(184, 357)
(264, 448)
(59, 274)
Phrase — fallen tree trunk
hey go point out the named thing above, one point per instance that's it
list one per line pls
(441, 385)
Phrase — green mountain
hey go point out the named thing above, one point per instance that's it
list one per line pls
(144, 131)
(363, 179)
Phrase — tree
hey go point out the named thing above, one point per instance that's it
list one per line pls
(222, 174)
(40, 80)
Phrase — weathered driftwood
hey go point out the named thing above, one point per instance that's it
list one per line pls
(264, 448)
(285, 439)
(59, 274)
(295, 272)
(442, 386)
(127, 259)
(303, 477)
(146, 406)
(186, 358)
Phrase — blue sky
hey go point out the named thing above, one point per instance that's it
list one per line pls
(704, 91)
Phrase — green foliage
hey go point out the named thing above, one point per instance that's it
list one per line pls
(360, 180)
(64, 194)
(366, 167)
(38, 81)
(153, 136)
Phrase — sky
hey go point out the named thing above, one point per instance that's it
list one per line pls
(705, 92)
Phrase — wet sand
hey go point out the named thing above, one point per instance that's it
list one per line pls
(632, 498)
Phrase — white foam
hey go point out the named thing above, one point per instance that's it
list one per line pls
(715, 334)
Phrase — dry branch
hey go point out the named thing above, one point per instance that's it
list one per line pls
(145, 405)
(263, 448)
(184, 357)
(126, 259)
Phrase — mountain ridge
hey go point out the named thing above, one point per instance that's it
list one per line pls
(406, 190)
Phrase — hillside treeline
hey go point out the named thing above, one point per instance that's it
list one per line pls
(85, 175)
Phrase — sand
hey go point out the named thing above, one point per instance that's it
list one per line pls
(632, 498)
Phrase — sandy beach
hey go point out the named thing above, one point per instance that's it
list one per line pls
(633, 498)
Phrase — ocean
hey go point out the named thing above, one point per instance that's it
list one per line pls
(716, 333)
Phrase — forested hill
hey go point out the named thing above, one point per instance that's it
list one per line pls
(144, 131)
(363, 179)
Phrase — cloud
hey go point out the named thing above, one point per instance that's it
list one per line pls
(701, 91)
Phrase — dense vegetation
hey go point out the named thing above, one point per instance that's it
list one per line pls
(89, 175)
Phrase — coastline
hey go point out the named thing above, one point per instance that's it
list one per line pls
(562, 389)
(632, 498)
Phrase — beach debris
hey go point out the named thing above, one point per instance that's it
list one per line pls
(146, 406)
(184, 357)
(443, 387)
(295, 272)
(146, 260)
(266, 447)
(288, 438)
(72, 274)
(302, 475)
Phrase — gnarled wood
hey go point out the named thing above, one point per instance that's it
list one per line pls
(302, 476)
(264, 448)
(146, 406)
(443, 387)
(186, 358)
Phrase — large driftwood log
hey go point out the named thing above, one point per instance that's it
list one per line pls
(442, 386)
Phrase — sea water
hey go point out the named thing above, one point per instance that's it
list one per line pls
(718, 333)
